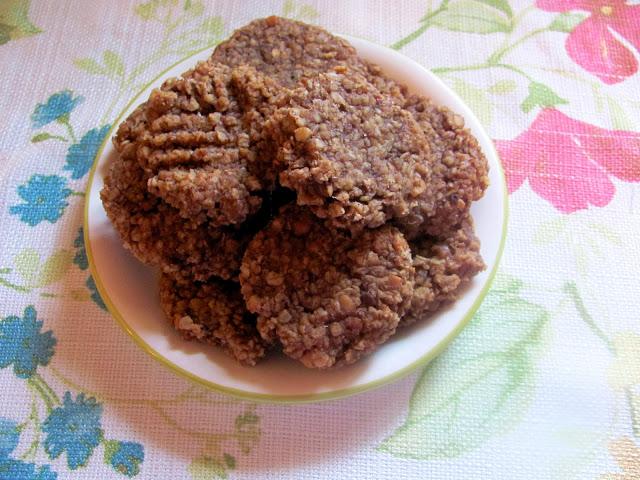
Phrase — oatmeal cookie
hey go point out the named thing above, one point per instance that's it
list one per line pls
(129, 131)
(258, 97)
(387, 86)
(213, 312)
(444, 266)
(201, 140)
(222, 197)
(284, 50)
(459, 169)
(287, 51)
(327, 298)
(158, 235)
(351, 154)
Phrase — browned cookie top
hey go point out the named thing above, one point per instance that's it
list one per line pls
(326, 297)
(353, 155)
(213, 312)
(444, 266)
(374, 73)
(258, 96)
(158, 235)
(200, 137)
(459, 169)
(284, 50)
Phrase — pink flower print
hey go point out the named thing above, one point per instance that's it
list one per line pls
(595, 43)
(568, 162)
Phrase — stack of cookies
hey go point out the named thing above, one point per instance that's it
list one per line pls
(295, 198)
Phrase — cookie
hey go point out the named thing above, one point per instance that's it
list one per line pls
(459, 169)
(327, 298)
(444, 265)
(200, 141)
(157, 234)
(213, 312)
(352, 155)
(284, 50)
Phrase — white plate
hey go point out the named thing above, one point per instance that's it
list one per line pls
(130, 291)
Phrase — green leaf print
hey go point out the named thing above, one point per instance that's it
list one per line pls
(480, 386)
(502, 5)
(549, 230)
(476, 98)
(634, 404)
(89, 65)
(619, 117)
(588, 241)
(55, 267)
(229, 461)
(43, 136)
(605, 232)
(502, 87)
(247, 429)
(213, 27)
(293, 10)
(35, 274)
(194, 9)
(473, 16)
(112, 65)
(27, 264)
(566, 22)
(145, 11)
(207, 468)
(148, 10)
(113, 62)
(14, 20)
(5, 33)
(541, 95)
(110, 449)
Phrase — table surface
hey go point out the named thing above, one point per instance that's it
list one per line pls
(545, 381)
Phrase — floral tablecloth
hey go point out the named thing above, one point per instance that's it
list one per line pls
(545, 381)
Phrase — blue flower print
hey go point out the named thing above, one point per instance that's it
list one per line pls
(80, 258)
(124, 457)
(23, 344)
(9, 436)
(45, 473)
(95, 296)
(73, 428)
(80, 155)
(45, 199)
(58, 105)
(11, 469)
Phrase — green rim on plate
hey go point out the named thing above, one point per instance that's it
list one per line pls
(261, 397)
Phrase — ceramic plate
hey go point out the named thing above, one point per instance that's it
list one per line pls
(130, 289)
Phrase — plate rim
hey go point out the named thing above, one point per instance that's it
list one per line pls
(289, 399)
